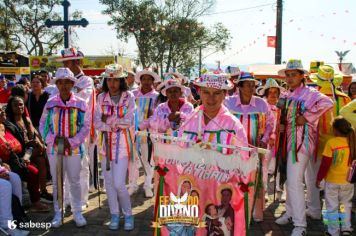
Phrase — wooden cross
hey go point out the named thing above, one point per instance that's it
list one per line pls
(66, 23)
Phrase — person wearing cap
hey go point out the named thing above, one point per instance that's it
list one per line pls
(304, 106)
(130, 79)
(145, 97)
(169, 115)
(84, 88)
(234, 76)
(66, 117)
(114, 113)
(258, 121)
(216, 119)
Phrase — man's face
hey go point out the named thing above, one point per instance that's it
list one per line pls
(113, 85)
(45, 77)
(212, 98)
(64, 87)
(273, 95)
(130, 79)
(174, 93)
(294, 78)
(146, 82)
(248, 88)
(69, 64)
(225, 197)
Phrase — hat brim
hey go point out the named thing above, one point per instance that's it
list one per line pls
(61, 59)
(54, 81)
(182, 88)
(316, 79)
(236, 81)
(144, 72)
(262, 89)
(223, 87)
(123, 75)
(282, 72)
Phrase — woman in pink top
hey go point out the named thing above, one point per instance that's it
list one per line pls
(304, 108)
(168, 116)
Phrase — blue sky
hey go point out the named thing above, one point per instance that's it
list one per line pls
(312, 29)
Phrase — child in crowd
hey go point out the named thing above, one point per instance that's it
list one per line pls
(338, 154)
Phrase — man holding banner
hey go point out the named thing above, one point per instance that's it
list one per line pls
(209, 175)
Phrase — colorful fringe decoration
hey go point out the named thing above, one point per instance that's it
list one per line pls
(161, 172)
(92, 128)
(245, 189)
(256, 125)
(65, 117)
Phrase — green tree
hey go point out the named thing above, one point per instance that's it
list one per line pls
(31, 34)
(7, 30)
(167, 33)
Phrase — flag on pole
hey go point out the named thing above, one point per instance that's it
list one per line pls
(271, 41)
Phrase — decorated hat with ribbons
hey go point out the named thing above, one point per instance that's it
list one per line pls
(171, 82)
(325, 76)
(114, 71)
(69, 54)
(214, 80)
(147, 71)
(270, 83)
(64, 73)
(246, 76)
(293, 64)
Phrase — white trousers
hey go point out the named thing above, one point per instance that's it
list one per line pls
(115, 180)
(71, 168)
(7, 188)
(295, 202)
(336, 195)
(149, 167)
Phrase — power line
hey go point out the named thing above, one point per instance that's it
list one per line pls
(240, 9)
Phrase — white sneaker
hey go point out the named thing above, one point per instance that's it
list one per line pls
(17, 232)
(57, 220)
(313, 216)
(148, 193)
(283, 220)
(79, 219)
(85, 206)
(299, 231)
(132, 190)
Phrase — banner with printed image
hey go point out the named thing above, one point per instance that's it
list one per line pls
(202, 192)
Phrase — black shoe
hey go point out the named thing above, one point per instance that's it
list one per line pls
(46, 197)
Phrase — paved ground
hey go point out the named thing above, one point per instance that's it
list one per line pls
(143, 211)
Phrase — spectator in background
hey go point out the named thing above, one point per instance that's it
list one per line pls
(37, 99)
(31, 138)
(10, 184)
(4, 91)
(25, 82)
(11, 141)
(21, 91)
(130, 80)
(352, 89)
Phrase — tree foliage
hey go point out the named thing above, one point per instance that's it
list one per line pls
(167, 33)
(28, 31)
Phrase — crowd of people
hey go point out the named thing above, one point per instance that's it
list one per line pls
(50, 127)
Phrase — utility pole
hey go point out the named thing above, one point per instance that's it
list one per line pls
(200, 61)
(278, 52)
